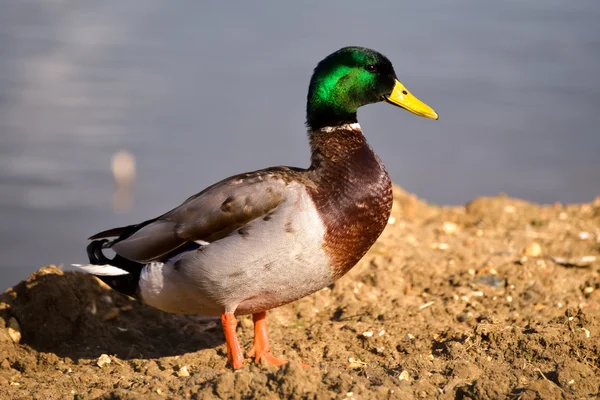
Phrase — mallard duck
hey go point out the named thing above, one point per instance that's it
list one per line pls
(262, 239)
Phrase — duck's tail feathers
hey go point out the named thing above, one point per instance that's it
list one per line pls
(101, 270)
(119, 273)
(114, 232)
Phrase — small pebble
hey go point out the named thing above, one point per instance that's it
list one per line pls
(183, 372)
(533, 250)
(410, 336)
(587, 333)
(382, 332)
(491, 280)
(443, 246)
(581, 262)
(510, 209)
(523, 260)
(463, 317)
(588, 290)
(487, 270)
(585, 235)
(103, 360)
(355, 364)
(5, 364)
(404, 376)
(449, 227)
(391, 220)
(14, 330)
(367, 333)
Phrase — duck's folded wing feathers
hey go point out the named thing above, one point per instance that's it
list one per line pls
(208, 216)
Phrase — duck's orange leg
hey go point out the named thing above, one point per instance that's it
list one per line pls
(235, 356)
(260, 348)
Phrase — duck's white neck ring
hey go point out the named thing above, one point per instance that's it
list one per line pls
(355, 126)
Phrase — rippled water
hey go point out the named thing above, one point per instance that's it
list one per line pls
(199, 91)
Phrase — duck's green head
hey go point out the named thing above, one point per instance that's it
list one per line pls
(353, 77)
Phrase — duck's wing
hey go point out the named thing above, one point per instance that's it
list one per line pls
(207, 216)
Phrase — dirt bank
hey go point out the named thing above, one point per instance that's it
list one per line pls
(498, 299)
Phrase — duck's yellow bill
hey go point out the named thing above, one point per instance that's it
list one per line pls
(401, 97)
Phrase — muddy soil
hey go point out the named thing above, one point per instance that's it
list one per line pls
(499, 299)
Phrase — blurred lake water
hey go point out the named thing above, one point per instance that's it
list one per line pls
(198, 91)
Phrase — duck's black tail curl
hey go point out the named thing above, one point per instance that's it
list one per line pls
(126, 283)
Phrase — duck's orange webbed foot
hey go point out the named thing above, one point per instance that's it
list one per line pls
(235, 356)
(260, 348)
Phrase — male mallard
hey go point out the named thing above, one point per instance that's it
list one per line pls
(258, 240)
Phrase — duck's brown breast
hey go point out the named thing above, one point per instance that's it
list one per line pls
(353, 194)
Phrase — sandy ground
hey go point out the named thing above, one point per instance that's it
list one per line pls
(499, 299)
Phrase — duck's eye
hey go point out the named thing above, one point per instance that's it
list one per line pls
(371, 68)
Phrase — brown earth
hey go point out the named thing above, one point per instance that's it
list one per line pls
(452, 302)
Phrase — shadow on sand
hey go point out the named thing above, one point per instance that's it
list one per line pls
(73, 315)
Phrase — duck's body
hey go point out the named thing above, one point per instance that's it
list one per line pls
(236, 274)
(301, 215)
(259, 240)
